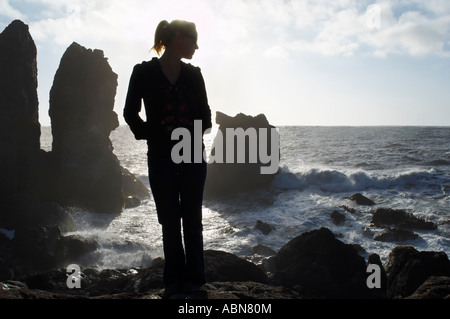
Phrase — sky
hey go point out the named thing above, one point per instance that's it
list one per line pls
(299, 62)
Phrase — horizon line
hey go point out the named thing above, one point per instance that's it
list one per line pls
(331, 125)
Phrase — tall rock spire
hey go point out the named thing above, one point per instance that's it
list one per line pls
(19, 109)
(82, 117)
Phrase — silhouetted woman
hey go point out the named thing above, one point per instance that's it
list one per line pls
(174, 96)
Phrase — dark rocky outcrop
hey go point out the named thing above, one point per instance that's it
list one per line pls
(246, 290)
(40, 247)
(312, 265)
(75, 247)
(338, 218)
(133, 189)
(38, 243)
(360, 199)
(19, 117)
(320, 266)
(18, 290)
(225, 179)
(348, 209)
(24, 184)
(82, 118)
(435, 287)
(263, 250)
(396, 234)
(384, 217)
(81, 169)
(213, 290)
(223, 266)
(18, 83)
(228, 277)
(407, 269)
(25, 210)
(265, 228)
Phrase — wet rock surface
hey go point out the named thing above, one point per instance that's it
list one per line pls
(408, 268)
(313, 265)
(383, 217)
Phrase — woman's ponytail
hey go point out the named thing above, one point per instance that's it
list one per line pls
(161, 37)
(165, 31)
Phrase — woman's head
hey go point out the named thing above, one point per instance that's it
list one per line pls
(178, 35)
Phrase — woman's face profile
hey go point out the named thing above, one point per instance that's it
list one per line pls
(187, 44)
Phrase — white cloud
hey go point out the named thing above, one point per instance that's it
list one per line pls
(6, 10)
(239, 39)
(277, 52)
(413, 34)
(272, 27)
(340, 30)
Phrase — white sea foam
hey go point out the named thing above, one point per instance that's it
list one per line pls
(335, 181)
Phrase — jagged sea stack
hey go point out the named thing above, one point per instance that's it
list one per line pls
(230, 178)
(19, 114)
(82, 118)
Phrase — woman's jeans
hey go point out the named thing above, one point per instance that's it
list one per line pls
(178, 194)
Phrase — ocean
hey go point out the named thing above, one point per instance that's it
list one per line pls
(405, 168)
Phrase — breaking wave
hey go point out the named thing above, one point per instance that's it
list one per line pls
(335, 181)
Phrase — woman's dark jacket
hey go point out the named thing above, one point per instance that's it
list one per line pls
(148, 83)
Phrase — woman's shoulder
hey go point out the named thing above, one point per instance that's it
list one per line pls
(146, 65)
(154, 63)
(146, 70)
(192, 70)
(190, 67)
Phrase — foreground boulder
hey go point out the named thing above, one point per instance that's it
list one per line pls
(38, 247)
(310, 274)
(229, 277)
(223, 266)
(408, 268)
(320, 266)
(213, 290)
(433, 288)
(231, 177)
(82, 118)
(41, 247)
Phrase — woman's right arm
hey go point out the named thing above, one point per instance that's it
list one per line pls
(133, 104)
